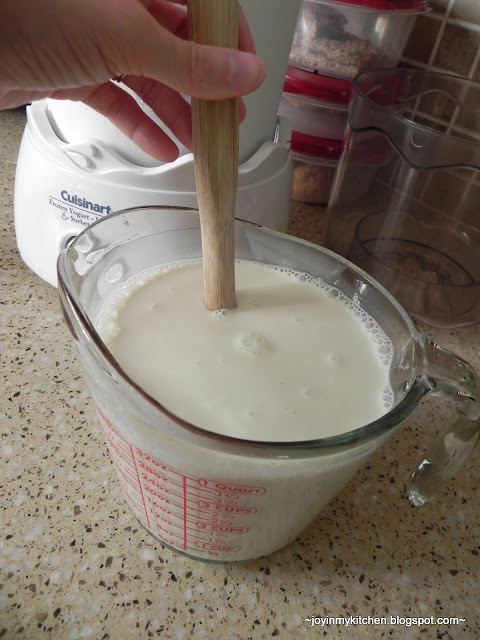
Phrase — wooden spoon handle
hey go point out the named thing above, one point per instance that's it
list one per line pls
(215, 149)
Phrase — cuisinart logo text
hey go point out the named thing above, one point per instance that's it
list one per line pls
(78, 209)
(84, 203)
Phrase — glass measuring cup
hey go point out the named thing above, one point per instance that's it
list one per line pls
(222, 498)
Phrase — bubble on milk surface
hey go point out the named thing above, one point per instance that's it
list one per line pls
(382, 342)
(335, 360)
(388, 397)
(221, 313)
(252, 343)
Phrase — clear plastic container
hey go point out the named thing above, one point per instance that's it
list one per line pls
(315, 162)
(343, 39)
(417, 227)
(313, 106)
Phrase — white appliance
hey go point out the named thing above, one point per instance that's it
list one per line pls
(74, 166)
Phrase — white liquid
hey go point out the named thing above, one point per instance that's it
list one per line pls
(293, 361)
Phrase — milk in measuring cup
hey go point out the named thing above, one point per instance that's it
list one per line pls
(291, 362)
(295, 360)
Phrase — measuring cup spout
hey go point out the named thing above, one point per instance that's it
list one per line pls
(454, 380)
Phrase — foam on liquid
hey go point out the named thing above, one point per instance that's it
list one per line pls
(295, 360)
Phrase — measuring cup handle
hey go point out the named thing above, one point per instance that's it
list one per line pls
(454, 380)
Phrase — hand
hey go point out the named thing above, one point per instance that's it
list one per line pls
(72, 50)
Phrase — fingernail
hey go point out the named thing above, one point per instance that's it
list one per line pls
(246, 71)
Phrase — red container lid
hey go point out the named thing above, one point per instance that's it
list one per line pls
(374, 151)
(314, 146)
(315, 85)
(385, 5)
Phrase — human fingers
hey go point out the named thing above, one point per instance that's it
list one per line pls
(172, 109)
(201, 71)
(125, 113)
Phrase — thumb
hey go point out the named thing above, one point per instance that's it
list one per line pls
(202, 71)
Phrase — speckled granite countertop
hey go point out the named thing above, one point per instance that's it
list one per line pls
(74, 562)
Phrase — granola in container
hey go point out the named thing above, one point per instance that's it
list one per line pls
(343, 39)
(315, 161)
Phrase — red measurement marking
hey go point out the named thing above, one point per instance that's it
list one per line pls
(232, 488)
(140, 487)
(188, 512)
(170, 533)
(226, 508)
(180, 516)
(218, 528)
(217, 547)
(121, 447)
(234, 509)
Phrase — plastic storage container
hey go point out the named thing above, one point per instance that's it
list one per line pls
(314, 104)
(315, 161)
(417, 228)
(343, 39)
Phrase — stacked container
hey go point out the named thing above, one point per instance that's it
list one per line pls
(334, 41)
(317, 108)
